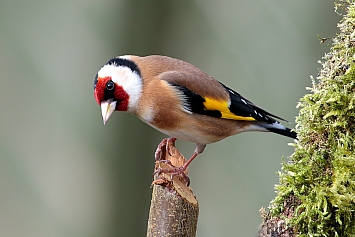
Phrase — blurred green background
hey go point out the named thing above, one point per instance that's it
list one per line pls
(63, 173)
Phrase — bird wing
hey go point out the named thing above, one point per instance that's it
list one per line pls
(208, 96)
(239, 104)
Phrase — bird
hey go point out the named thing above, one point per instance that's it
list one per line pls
(179, 100)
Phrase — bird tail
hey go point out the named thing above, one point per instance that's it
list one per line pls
(278, 128)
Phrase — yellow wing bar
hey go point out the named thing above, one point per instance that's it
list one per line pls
(223, 107)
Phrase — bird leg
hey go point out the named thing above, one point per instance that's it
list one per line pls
(174, 171)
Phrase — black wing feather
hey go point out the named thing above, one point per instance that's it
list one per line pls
(194, 102)
(239, 105)
(243, 107)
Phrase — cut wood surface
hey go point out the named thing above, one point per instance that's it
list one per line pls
(174, 209)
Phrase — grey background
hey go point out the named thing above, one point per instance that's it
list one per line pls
(63, 173)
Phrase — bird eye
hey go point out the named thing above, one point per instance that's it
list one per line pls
(110, 85)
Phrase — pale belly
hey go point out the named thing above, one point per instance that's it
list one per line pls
(188, 136)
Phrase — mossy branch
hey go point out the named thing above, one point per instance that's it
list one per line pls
(316, 194)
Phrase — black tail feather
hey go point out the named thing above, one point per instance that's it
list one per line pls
(284, 132)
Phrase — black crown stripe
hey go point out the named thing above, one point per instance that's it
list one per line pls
(124, 62)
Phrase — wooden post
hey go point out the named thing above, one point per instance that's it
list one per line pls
(174, 209)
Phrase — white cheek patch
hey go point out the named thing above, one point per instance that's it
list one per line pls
(133, 87)
(130, 81)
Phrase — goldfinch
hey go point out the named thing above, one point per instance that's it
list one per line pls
(179, 100)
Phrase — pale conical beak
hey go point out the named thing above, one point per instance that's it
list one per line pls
(107, 108)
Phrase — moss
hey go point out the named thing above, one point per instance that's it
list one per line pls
(321, 173)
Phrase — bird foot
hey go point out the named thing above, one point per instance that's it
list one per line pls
(173, 171)
(166, 152)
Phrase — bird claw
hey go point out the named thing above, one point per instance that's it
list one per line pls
(161, 151)
(174, 171)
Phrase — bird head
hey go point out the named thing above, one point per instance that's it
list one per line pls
(118, 86)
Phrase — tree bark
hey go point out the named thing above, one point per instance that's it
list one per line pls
(275, 226)
(174, 209)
